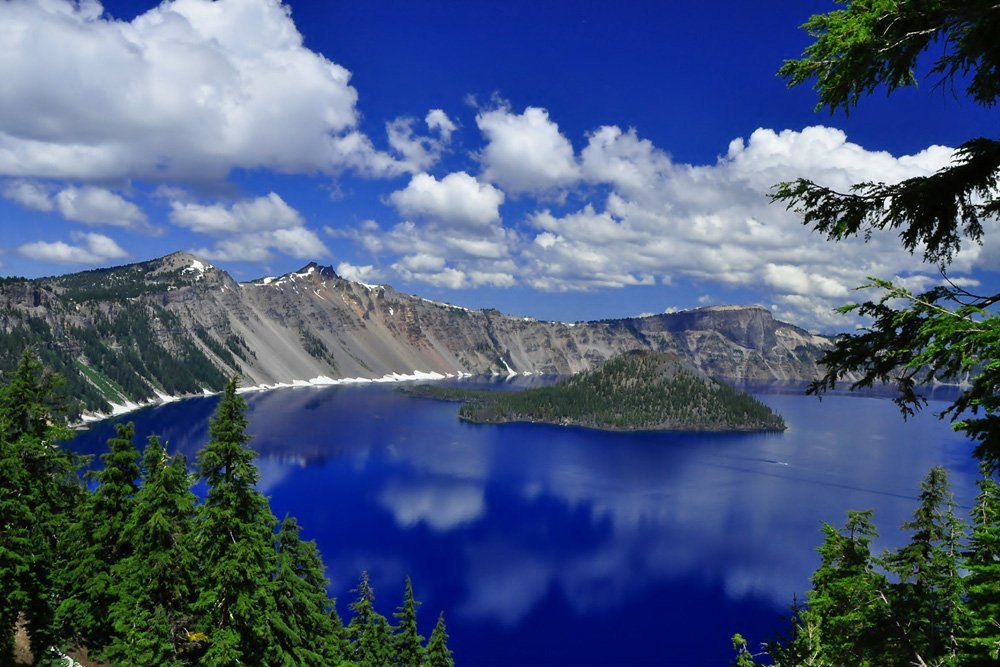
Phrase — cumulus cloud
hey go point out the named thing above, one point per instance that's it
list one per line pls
(526, 153)
(29, 194)
(713, 223)
(98, 206)
(249, 230)
(457, 199)
(89, 249)
(186, 91)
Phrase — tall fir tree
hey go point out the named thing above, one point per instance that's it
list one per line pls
(304, 628)
(981, 642)
(234, 539)
(407, 642)
(39, 487)
(438, 653)
(153, 586)
(848, 599)
(98, 536)
(368, 630)
(928, 596)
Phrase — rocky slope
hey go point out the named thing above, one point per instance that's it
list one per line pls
(177, 325)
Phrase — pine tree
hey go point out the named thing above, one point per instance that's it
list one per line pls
(848, 596)
(438, 653)
(234, 539)
(153, 586)
(38, 489)
(98, 538)
(981, 642)
(368, 630)
(927, 600)
(304, 628)
(407, 642)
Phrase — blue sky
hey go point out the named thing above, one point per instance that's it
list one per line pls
(564, 160)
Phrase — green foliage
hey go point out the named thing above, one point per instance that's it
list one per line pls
(634, 391)
(141, 574)
(910, 606)
(407, 642)
(438, 654)
(39, 488)
(948, 332)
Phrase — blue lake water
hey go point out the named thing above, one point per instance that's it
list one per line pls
(546, 545)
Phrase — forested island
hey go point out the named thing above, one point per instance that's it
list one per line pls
(636, 391)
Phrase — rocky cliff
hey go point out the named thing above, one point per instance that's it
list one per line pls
(177, 325)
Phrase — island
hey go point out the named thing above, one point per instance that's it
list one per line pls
(640, 390)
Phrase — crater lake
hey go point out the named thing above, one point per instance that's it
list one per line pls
(546, 545)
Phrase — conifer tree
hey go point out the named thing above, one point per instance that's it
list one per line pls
(848, 597)
(368, 630)
(234, 540)
(981, 642)
(153, 586)
(98, 538)
(38, 489)
(928, 595)
(304, 628)
(438, 653)
(407, 641)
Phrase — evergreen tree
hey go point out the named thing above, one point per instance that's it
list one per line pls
(153, 586)
(981, 642)
(98, 538)
(234, 540)
(848, 596)
(928, 596)
(438, 653)
(407, 642)
(368, 630)
(38, 489)
(304, 628)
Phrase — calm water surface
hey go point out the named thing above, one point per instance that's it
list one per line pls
(555, 546)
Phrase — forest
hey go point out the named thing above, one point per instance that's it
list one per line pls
(126, 565)
(635, 391)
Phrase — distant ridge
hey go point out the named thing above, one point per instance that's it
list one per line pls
(177, 325)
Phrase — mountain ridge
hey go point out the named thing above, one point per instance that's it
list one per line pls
(177, 325)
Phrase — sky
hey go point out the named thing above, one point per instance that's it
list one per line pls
(561, 160)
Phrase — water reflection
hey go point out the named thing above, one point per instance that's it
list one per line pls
(498, 524)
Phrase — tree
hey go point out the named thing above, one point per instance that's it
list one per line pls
(368, 630)
(848, 601)
(304, 628)
(438, 653)
(153, 587)
(98, 536)
(929, 589)
(234, 539)
(948, 331)
(407, 641)
(39, 488)
(981, 642)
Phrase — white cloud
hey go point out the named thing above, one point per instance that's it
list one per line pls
(526, 153)
(29, 194)
(359, 274)
(98, 206)
(91, 249)
(437, 120)
(250, 229)
(457, 199)
(266, 213)
(186, 91)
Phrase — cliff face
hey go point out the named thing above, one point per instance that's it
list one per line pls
(178, 325)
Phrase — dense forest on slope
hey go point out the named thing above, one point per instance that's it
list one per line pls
(636, 391)
(134, 570)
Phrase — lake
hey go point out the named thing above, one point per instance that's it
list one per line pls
(546, 545)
